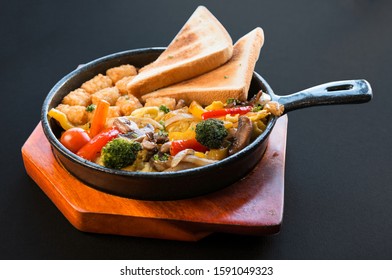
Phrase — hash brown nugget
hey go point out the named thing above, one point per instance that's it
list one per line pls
(114, 112)
(128, 104)
(76, 114)
(110, 94)
(169, 102)
(122, 84)
(119, 72)
(77, 97)
(97, 83)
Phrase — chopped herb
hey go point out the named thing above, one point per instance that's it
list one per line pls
(257, 107)
(233, 101)
(163, 133)
(164, 109)
(171, 56)
(226, 77)
(163, 124)
(161, 157)
(90, 108)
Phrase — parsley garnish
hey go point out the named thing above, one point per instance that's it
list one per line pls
(90, 108)
(163, 132)
(161, 157)
(257, 107)
(164, 109)
(232, 101)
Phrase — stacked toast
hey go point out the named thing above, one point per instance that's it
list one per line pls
(201, 63)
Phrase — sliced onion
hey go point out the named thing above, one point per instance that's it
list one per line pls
(179, 117)
(180, 156)
(187, 155)
(198, 160)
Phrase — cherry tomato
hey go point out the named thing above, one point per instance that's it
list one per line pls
(74, 138)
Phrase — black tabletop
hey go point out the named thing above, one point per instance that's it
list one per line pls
(338, 184)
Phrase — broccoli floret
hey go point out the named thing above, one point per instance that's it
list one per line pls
(120, 152)
(211, 133)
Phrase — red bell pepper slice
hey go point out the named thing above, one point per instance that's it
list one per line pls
(179, 145)
(90, 150)
(223, 112)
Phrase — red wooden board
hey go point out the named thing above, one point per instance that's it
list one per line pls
(253, 205)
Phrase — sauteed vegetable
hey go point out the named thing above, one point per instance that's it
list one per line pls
(104, 124)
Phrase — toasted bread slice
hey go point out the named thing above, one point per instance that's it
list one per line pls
(231, 80)
(201, 45)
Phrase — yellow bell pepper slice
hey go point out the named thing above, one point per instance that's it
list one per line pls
(217, 154)
(200, 154)
(215, 105)
(177, 135)
(146, 112)
(196, 109)
(61, 118)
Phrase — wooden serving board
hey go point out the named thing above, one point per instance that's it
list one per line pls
(252, 206)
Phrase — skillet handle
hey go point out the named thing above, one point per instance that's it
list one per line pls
(339, 92)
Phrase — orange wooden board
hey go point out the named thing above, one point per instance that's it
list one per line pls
(252, 206)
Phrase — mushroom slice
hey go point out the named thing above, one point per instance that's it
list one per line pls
(160, 165)
(140, 121)
(256, 99)
(242, 136)
(140, 133)
(180, 104)
(161, 137)
(125, 125)
(147, 130)
(148, 144)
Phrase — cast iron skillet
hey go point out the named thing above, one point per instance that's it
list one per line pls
(186, 183)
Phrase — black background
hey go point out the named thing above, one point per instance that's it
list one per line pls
(338, 191)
